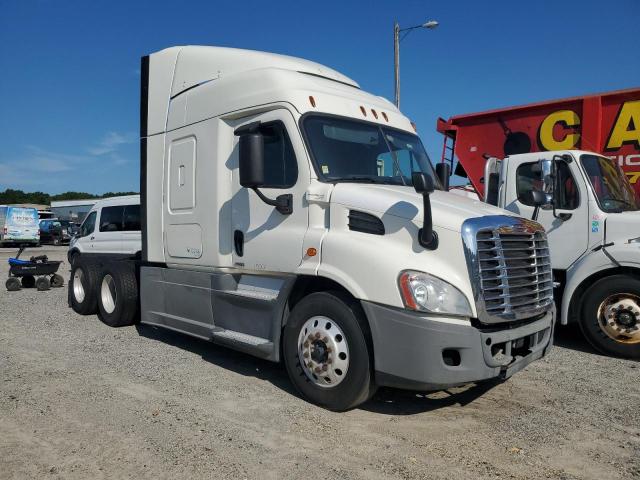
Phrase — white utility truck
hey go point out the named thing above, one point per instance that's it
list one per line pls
(289, 214)
(590, 212)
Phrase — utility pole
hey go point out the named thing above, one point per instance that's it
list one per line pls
(431, 24)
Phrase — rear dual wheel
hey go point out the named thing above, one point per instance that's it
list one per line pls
(82, 288)
(327, 351)
(118, 295)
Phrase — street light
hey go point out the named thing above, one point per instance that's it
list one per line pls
(431, 24)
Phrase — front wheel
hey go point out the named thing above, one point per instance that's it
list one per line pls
(610, 316)
(12, 284)
(327, 351)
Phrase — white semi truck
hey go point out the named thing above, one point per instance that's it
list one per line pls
(591, 215)
(291, 215)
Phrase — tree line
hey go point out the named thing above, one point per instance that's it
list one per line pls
(10, 196)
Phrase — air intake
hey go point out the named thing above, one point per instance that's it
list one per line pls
(365, 223)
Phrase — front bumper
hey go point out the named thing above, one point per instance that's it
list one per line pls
(417, 352)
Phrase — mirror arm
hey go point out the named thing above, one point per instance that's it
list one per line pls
(283, 203)
(536, 209)
(426, 236)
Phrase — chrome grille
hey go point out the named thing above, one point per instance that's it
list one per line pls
(512, 267)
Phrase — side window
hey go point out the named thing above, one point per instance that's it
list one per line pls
(111, 219)
(565, 190)
(280, 166)
(131, 218)
(527, 180)
(88, 225)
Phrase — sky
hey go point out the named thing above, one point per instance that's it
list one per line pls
(70, 70)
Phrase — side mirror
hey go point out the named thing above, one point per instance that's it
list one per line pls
(546, 175)
(443, 170)
(251, 165)
(540, 200)
(423, 184)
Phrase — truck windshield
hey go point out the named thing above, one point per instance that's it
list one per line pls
(610, 184)
(354, 151)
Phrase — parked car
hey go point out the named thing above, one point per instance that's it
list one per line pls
(72, 228)
(110, 229)
(51, 232)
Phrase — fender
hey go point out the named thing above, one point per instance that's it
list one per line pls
(597, 264)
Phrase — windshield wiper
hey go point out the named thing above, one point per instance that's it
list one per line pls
(357, 178)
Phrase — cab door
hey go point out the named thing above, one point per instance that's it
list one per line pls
(264, 239)
(568, 236)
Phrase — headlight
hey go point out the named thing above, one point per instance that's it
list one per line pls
(426, 293)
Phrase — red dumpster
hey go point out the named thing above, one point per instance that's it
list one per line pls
(607, 123)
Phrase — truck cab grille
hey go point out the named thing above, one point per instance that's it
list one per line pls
(510, 263)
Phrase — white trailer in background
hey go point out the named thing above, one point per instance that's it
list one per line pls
(291, 215)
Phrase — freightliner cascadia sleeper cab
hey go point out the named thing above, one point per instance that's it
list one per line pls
(291, 215)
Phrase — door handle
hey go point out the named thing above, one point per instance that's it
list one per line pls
(92, 237)
(238, 242)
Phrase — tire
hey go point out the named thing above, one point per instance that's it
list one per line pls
(341, 324)
(43, 284)
(74, 258)
(13, 284)
(118, 295)
(56, 241)
(82, 288)
(28, 281)
(608, 328)
(57, 281)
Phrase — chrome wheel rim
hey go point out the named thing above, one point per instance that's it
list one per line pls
(78, 288)
(323, 352)
(619, 318)
(108, 293)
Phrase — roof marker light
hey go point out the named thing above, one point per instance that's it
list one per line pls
(375, 114)
(386, 119)
(362, 109)
(312, 101)
(415, 129)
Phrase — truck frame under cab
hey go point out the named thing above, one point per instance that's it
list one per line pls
(592, 217)
(288, 214)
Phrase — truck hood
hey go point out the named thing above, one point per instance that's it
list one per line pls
(449, 210)
(621, 227)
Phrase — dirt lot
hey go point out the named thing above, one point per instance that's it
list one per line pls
(81, 400)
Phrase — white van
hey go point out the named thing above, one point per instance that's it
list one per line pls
(110, 229)
(18, 225)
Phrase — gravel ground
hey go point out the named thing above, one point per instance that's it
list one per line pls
(81, 400)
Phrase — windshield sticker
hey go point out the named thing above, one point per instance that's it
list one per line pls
(595, 225)
(325, 169)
